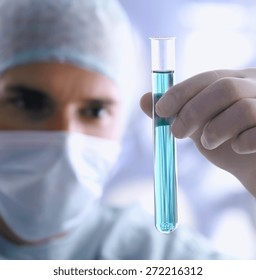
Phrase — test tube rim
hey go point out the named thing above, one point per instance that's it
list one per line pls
(162, 38)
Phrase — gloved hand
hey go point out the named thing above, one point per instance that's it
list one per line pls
(217, 110)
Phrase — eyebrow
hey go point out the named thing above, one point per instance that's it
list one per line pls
(22, 89)
(99, 101)
(26, 89)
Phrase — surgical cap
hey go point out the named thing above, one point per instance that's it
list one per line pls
(91, 34)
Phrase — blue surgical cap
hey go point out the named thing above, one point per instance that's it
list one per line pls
(91, 34)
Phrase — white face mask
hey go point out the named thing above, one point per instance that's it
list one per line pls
(49, 180)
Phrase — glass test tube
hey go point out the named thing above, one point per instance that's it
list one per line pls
(165, 181)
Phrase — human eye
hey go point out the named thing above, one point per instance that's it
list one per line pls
(30, 102)
(95, 110)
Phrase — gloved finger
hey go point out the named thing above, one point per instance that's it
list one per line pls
(146, 104)
(229, 123)
(245, 142)
(178, 95)
(210, 102)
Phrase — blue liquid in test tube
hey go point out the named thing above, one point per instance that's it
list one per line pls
(165, 177)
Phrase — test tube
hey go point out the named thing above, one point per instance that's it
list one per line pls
(165, 177)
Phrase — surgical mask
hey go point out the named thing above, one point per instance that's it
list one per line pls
(49, 181)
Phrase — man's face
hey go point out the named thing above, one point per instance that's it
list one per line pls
(60, 97)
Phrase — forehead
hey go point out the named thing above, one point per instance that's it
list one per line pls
(61, 79)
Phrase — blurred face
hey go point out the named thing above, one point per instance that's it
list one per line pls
(60, 97)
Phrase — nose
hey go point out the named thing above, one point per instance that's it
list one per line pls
(62, 121)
